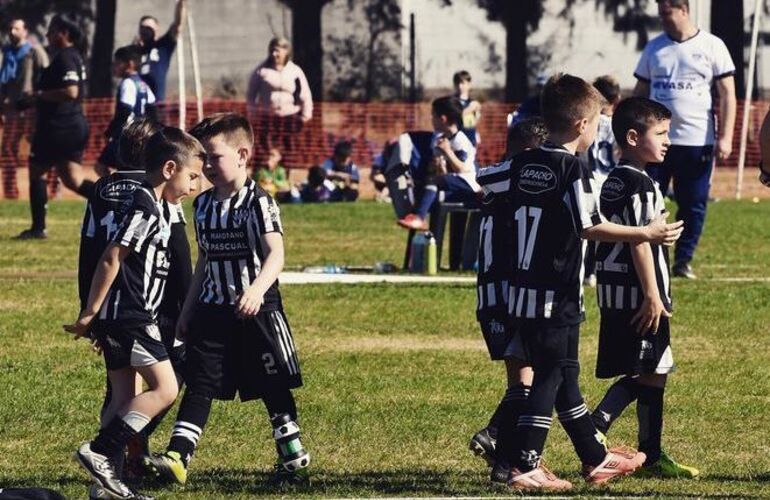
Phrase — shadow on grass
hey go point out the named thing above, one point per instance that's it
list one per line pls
(415, 482)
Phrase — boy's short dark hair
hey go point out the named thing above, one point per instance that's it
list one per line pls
(450, 107)
(637, 113)
(529, 133)
(676, 3)
(461, 76)
(129, 54)
(236, 129)
(171, 144)
(343, 149)
(566, 99)
(133, 141)
(608, 87)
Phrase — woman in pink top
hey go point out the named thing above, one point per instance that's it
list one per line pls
(279, 97)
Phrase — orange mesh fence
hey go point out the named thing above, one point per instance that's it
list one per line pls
(367, 125)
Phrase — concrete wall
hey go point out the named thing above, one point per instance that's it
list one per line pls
(232, 36)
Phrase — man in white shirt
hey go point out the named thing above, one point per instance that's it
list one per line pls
(678, 69)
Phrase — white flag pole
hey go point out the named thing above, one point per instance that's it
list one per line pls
(181, 72)
(195, 65)
(747, 101)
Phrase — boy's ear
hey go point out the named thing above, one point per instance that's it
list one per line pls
(632, 137)
(243, 156)
(168, 169)
(581, 125)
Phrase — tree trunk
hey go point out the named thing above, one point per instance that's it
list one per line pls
(306, 38)
(515, 55)
(100, 80)
(727, 24)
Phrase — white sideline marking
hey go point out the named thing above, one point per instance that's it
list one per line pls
(296, 278)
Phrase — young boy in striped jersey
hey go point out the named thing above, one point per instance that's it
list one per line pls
(493, 281)
(634, 287)
(104, 213)
(134, 99)
(553, 206)
(123, 300)
(238, 338)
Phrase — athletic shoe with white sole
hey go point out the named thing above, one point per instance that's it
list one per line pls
(538, 478)
(619, 462)
(483, 445)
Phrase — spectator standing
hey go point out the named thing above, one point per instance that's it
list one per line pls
(678, 69)
(157, 51)
(279, 95)
(471, 107)
(341, 170)
(61, 130)
(22, 65)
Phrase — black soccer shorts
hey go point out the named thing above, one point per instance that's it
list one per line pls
(228, 356)
(623, 351)
(54, 144)
(502, 340)
(548, 344)
(134, 346)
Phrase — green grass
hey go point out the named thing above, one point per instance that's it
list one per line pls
(396, 377)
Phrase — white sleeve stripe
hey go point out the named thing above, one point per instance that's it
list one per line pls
(135, 224)
(128, 92)
(586, 204)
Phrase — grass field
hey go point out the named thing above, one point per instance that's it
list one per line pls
(396, 377)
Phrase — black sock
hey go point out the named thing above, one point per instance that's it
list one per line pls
(38, 199)
(280, 401)
(649, 412)
(532, 432)
(504, 421)
(620, 394)
(115, 435)
(192, 417)
(86, 189)
(582, 432)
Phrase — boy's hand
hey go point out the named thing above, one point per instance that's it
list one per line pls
(444, 145)
(661, 233)
(248, 304)
(647, 318)
(80, 327)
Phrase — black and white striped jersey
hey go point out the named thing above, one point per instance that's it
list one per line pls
(553, 198)
(495, 260)
(105, 210)
(631, 198)
(137, 291)
(228, 234)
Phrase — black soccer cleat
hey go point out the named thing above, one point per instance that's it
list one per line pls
(684, 270)
(483, 445)
(501, 473)
(283, 477)
(32, 234)
(103, 473)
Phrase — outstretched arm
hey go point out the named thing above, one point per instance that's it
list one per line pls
(176, 25)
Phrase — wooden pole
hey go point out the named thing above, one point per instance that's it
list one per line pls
(747, 101)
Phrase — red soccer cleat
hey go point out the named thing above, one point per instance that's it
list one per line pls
(413, 221)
